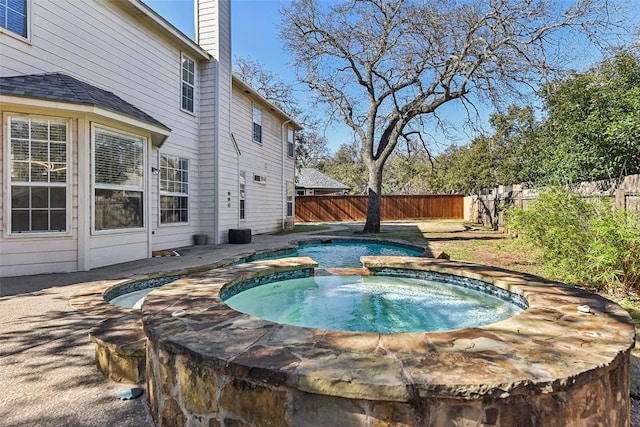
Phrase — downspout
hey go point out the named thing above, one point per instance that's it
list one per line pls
(285, 135)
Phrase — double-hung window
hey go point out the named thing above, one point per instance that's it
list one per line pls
(119, 179)
(174, 189)
(289, 198)
(290, 142)
(257, 124)
(39, 175)
(188, 84)
(13, 16)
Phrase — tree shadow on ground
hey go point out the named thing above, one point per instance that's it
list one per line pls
(48, 373)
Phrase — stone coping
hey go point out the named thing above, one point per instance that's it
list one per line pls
(548, 348)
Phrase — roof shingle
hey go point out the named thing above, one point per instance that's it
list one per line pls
(64, 88)
(313, 178)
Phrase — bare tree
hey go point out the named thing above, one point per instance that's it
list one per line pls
(275, 90)
(311, 146)
(386, 65)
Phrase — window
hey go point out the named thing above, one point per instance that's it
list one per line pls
(13, 16)
(39, 178)
(188, 83)
(119, 180)
(289, 198)
(174, 189)
(291, 135)
(257, 124)
(243, 182)
(260, 179)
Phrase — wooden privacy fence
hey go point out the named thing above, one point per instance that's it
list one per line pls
(489, 209)
(354, 208)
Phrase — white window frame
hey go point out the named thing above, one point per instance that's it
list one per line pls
(166, 193)
(10, 182)
(257, 114)
(291, 144)
(27, 24)
(242, 196)
(142, 189)
(290, 190)
(259, 179)
(184, 59)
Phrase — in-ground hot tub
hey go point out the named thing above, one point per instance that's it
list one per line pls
(551, 365)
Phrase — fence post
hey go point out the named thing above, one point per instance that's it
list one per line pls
(621, 199)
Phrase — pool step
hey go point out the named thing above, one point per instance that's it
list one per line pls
(342, 271)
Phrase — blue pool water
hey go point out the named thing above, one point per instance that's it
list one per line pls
(380, 304)
(348, 253)
(131, 299)
(131, 295)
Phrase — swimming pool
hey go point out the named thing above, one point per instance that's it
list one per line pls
(132, 294)
(340, 252)
(382, 304)
(348, 253)
(210, 364)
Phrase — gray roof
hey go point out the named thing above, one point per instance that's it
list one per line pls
(313, 178)
(64, 88)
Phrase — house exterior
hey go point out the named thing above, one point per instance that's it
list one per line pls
(121, 136)
(265, 160)
(312, 182)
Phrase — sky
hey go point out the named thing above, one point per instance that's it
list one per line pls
(255, 36)
(254, 27)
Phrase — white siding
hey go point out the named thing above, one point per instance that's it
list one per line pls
(265, 205)
(101, 43)
(115, 46)
(118, 247)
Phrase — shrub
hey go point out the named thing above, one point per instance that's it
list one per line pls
(614, 250)
(558, 223)
(582, 241)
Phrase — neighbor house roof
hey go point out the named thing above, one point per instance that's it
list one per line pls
(314, 179)
(61, 87)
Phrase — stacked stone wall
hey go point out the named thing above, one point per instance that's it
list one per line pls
(183, 391)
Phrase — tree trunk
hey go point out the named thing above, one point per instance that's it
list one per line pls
(374, 191)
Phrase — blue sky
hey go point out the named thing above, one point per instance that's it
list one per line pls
(255, 36)
(254, 26)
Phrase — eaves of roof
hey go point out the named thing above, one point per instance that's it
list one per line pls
(243, 86)
(143, 12)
